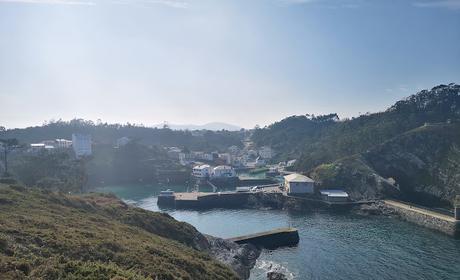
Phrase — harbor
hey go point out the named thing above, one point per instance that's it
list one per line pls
(208, 200)
(324, 237)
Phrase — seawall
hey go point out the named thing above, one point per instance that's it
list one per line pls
(205, 200)
(271, 197)
(429, 219)
(270, 239)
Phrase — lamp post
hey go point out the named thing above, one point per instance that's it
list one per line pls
(457, 208)
(8, 145)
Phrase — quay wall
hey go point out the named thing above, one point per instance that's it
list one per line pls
(271, 239)
(450, 227)
(223, 200)
(256, 200)
(255, 182)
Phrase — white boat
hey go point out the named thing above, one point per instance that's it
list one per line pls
(167, 193)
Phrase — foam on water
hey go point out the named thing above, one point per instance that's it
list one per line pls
(262, 267)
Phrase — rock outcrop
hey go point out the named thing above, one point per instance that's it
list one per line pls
(275, 275)
(241, 258)
(421, 165)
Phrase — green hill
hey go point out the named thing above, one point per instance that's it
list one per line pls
(324, 139)
(47, 235)
(415, 143)
(104, 133)
(421, 165)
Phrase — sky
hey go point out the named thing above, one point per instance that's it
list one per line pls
(244, 62)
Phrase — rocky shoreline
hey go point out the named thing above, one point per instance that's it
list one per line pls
(377, 208)
(241, 258)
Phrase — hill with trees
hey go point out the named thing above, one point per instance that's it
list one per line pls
(104, 133)
(141, 160)
(421, 165)
(327, 140)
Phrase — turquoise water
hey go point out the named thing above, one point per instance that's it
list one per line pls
(332, 246)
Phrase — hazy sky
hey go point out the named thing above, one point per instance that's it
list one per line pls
(196, 61)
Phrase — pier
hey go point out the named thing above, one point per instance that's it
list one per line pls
(269, 195)
(272, 239)
(207, 200)
(425, 217)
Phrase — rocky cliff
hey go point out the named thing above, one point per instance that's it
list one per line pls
(421, 165)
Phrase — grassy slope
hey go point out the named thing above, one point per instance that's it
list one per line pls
(46, 235)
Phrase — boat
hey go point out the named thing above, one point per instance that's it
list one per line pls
(166, 198)
(167, 193)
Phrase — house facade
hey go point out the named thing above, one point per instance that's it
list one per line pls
(334, 195)
(223, 171)
(299, 184)
(81, 145)
(201, 171)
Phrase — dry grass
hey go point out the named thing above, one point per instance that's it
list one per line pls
(46, 235)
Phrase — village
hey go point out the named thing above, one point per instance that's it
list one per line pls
(238, 170)
(248, 177)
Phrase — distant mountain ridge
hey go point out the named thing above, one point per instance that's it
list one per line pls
(214, 126)
(105, 133)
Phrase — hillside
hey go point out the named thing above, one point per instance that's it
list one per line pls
(415, 142)
(324, 139)
(423, 164)
(47, 235)
(103, 133)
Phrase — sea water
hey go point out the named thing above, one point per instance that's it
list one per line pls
(332, 245)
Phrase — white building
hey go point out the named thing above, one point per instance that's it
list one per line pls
(201, 171)
(291, 163)
(223, 171)
(63, 143)
(226, 157)
(81, 145)
(173, 152)
(334, 195)
(185, 158)
(202, 156)
(38, 147)
(49, 142)
(266, 152)
(299, 184)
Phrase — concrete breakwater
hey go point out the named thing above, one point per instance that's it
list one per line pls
(424, 217)
(198, 200)
(231, 199)
(270, 197)
(270, 239)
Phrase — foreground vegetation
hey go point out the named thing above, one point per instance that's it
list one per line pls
(48, 235)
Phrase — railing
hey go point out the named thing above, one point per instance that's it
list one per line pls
(436, 210)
